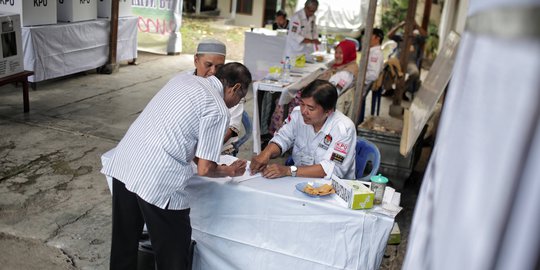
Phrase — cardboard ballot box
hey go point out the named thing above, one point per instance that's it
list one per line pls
(33, 12)
(77, 10)
(11, 53)
(104, 8)
(353, 192)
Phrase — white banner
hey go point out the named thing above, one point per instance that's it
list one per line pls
(159, 25)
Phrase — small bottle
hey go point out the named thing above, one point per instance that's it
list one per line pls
(324, 44)
(286, 69)
(378, 185)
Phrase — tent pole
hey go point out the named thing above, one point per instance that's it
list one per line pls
(111, 65)
(358, 94)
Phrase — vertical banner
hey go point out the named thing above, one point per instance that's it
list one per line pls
(159, 25)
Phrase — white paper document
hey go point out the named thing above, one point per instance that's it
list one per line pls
(228, 160)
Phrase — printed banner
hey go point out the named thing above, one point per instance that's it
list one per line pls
(159, 25)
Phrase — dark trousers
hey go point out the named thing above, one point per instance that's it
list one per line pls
(169, 230)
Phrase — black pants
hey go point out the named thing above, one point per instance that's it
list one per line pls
(169, 230)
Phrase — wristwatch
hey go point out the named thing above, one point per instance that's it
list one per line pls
(294, 169)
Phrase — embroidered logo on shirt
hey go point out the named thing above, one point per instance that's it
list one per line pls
(337, 158)
(294, 28)
(327, 139)
(341, 147)
(341, 83)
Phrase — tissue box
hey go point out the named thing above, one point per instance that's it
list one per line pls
(354, 193)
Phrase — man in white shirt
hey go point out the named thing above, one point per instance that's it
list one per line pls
(323, 140)
(210, 56)
(303, 36)
(185, 121)
(376, 57)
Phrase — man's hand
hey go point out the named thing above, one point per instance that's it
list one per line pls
(276, 171)
(238, 167)
(258, 163)
(315, 41)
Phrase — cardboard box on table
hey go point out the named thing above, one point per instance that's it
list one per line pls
(33, 12)
(77, 10)
(353, 192)
(11, 52)
(104, 8)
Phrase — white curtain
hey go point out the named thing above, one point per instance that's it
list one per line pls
(479, 204)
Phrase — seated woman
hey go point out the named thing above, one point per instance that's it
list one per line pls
(341, 73)
(322, 139)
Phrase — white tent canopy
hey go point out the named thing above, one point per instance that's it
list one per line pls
(339, 15)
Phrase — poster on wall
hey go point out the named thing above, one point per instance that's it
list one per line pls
(159, 25)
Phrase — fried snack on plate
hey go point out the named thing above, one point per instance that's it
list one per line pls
(322, 190)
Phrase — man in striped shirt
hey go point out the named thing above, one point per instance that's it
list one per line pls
(185, 121)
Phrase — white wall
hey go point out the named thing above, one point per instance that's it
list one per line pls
(255, 19)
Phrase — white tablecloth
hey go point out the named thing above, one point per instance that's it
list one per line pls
(268, 224)
(61, 49)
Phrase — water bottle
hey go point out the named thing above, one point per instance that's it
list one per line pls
(324, 44)
(286, 69)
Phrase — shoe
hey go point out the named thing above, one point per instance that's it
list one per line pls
(388, 93)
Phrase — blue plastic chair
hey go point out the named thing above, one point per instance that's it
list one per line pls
(248, 129)
(289, 161)
(366, 151)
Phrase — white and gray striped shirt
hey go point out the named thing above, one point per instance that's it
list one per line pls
(186, 118)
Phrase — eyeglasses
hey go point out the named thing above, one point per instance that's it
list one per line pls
(242, 97)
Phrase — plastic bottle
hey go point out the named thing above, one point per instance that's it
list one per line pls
(286, 69)
(324, 44)
(378, 185)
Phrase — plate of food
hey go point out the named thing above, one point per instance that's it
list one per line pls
(313, 189)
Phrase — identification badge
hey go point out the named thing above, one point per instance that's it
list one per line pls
(325, 147)
(337, 158)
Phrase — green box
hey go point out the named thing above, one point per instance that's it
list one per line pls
(354, 193)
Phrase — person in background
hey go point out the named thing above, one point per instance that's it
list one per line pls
(303, 36)
(322, 139)
(210, 56)
(376, 57)
(185, 121)
(281, 21)
(415, 55)
(341, 72)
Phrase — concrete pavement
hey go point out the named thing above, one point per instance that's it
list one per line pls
(52, 194)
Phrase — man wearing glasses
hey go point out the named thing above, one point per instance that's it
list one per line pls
(210, 56)
(151, 167)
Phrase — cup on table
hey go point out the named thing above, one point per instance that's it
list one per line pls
(378, 185)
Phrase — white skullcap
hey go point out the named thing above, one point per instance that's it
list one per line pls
(211, 46)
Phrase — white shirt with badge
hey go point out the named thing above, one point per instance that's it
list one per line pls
(300, 27)
(333, 147)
